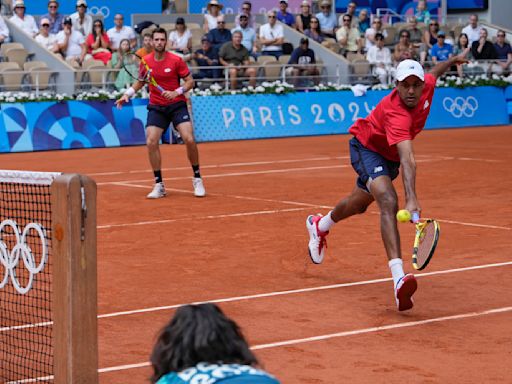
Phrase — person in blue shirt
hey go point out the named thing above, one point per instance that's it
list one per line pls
(207, 57)
(301, 63)
(441, 51)
(201, 344)
(284, 16)
(248, 33)
(219, 35)
(327, 18)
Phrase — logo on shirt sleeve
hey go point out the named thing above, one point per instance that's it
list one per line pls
(425, 106)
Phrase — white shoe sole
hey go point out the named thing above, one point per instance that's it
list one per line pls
(311, 227)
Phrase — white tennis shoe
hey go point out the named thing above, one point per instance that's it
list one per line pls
(157, 192)
(404, 290)
(198, 185)
(317, 241)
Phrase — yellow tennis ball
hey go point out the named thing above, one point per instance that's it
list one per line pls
(403, 215)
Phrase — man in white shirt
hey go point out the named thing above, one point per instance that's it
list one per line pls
(4, 31)
(121, 32)
(372, 32)
(82, 22)
(380, 57)
(472, 29)
(71, 43)
(272, 36)
(45, 38)
(26, 22)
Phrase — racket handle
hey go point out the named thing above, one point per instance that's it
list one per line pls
(415, 217)
(160, 88)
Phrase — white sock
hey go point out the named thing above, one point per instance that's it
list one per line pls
(325, 223)
(397, 270)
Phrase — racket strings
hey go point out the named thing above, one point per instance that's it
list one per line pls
(427, 239)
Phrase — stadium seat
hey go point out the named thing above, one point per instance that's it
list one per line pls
(351, 56)
(361, 72)
(39, 74)
(17, 55)
(390, 38)
(270, 68)
(11, 76)
(167, 26)
(7, 46)
(94, 73)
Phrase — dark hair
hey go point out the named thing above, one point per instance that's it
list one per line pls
(406, 32)
(121, 43)
(97, 21)
(199, 333)
(458, 40)
(379, 36)
(247, 3)
(317, 30)
(159, 30)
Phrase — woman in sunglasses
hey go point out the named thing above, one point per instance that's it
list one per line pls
(429, 39)
(45, 38)
(98, 43)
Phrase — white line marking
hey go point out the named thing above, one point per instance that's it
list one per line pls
(473, 224)
(284, 170)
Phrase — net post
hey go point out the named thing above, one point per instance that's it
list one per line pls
(74, 280)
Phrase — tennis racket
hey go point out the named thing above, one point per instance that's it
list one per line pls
(131, 63)
(425, 241)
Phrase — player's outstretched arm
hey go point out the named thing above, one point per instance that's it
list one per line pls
(441, 67)
(408, 163)
(137, 86)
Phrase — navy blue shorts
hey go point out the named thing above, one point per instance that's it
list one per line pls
(369, 164)
(162, 116)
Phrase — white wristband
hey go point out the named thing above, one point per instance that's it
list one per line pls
(180, 91)
(130, 92)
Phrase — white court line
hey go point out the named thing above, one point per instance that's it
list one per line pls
(343, 334)
(227, 165)
(272, 294)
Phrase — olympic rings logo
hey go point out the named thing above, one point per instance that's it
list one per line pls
(9, 259)
(95, 10)
(460, 106)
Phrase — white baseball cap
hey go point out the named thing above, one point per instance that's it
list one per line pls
(408, 68)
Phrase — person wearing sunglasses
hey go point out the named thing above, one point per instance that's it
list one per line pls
(82, 22)
(45, 38)
(404, 48)
(348, 37)
(372, 32)
(284, 16)
(504, 53)
(327, 18)
(220, 35)
(246, 10)
(303, 19)
(25, 22)
(429, 39)
(56, 18)
(272, 36)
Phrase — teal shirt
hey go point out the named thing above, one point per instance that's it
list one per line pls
(205, 373)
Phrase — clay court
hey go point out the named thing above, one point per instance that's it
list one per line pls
(244, 246)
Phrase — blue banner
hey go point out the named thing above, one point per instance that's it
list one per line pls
(323, 113)
(94, 7)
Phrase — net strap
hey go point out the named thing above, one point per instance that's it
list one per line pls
(24, 177)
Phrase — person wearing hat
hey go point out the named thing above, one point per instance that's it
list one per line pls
(379, 57)
(248, 33)
(213, 11)
(25, 22)
(441, 51)
(120, 32)
(327, 18)
(303, 20)
(206, 57)
(71, 43)
(45, 38)
(82, 22)
(382, 143)
(56, 18)
(284, 16)
(302, 62)
(246, 9)
(180, 40)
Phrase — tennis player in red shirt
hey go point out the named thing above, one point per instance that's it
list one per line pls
(166, 107)
(382, 143)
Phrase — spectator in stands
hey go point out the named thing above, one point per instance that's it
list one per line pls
(220, 35)
(303, 20)
(123, 78)
(202, 345)
(314, 32)
(301, 61)
(429, 39)
(372, 32)
(120, 32)
(246, 9)
(284, 16)
(483, 49)
(56, 19)
(147, 45)
(248, 33)
(98, 43)
(348, 36)
(351, 10)
(422, 14)
(25, 22)
(327, 18)
(213, 11)
(4, 31)
(234, 55)
(380, 58)
(363, 21)
(272, 36)
(45, 38)
(441, 51)
(462, 48)
(71, 43)
(82, 22)
(416, 35)
(504, 54)
(472, 30)
(180, 40)
(404, 48)
(207, 57)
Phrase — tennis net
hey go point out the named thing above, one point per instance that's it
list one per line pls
(29, 322)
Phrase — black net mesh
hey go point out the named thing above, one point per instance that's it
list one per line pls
(26, 345)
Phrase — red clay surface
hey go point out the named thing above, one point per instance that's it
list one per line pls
(248, 237)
